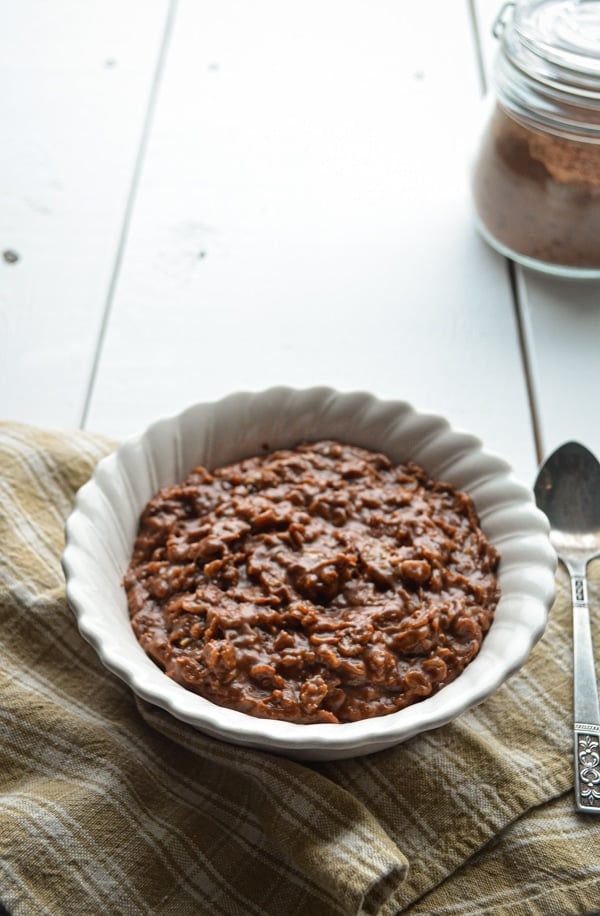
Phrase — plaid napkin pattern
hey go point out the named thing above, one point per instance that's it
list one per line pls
(110, 806)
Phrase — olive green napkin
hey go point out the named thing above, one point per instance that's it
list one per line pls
(110, 806)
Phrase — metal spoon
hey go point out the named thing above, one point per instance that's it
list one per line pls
(568, 491)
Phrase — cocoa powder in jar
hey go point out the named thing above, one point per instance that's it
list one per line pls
(538, 194)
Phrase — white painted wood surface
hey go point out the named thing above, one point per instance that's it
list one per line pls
(280, 197)
(75, 80)
(303, 216)
(563, 334)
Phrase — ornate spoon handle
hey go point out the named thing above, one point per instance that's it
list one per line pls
(585, 702)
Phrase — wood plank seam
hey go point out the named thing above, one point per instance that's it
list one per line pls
(130, 203)
(524, 333)
(479, 56)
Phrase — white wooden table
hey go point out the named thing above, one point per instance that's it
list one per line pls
(207, 195)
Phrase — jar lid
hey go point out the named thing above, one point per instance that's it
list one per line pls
(562, 34)
(548, 67)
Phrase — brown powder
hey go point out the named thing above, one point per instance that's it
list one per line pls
(538, 194)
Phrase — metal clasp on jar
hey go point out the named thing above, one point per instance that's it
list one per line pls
(501, 19)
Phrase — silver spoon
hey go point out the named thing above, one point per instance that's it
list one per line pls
(568, 491)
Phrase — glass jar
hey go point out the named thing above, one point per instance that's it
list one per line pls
(536, 176)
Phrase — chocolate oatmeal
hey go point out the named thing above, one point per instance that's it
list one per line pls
(314, 584)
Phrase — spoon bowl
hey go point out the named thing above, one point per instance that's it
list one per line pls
(567, 490)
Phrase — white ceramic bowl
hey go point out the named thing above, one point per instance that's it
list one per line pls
(101, 530)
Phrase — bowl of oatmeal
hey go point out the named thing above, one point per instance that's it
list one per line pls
(309, 572)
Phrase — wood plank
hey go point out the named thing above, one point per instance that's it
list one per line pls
(75, 83)
(561, 323)
(303, 217)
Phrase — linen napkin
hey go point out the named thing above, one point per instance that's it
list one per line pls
(110, 806)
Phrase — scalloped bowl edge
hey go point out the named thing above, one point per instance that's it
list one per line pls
(99, 537)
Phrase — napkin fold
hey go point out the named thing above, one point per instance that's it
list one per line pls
(109, 805)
